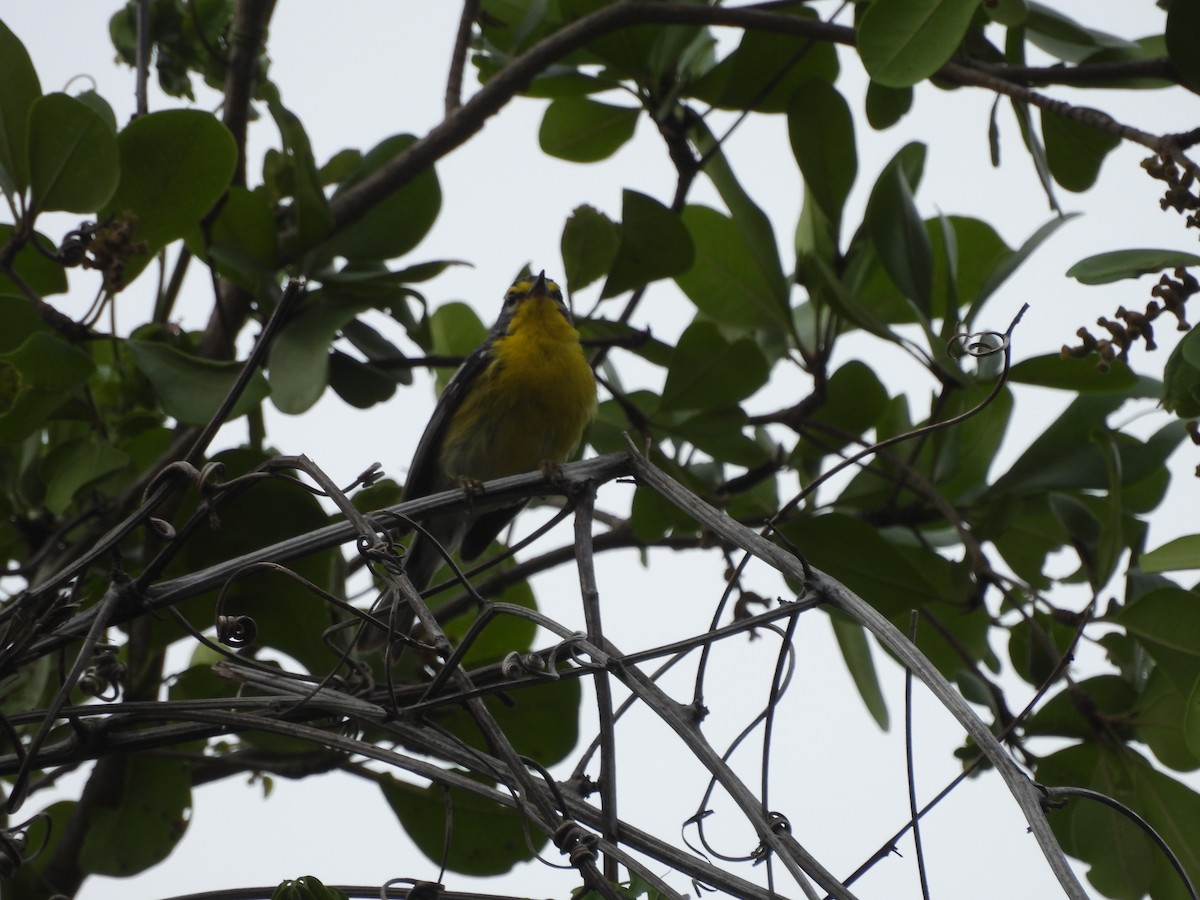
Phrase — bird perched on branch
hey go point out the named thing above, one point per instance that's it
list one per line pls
(520, 401)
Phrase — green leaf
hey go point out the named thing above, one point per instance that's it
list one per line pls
(1037, 152)
(19, 89)
(1071, 374)
(726, 281)
(902, 42)
(718, 432)
(456, 331)
(1065, 455)
(709, 371)
(1008, 264)
(751, 222)
(191, 388)
(36, 378)
(486, 838)
(540, 720)
(963, 455)
(590, 240)
(1160, 721)
(654, 244)
(298, 362)
(1073, 712)
(1036, 646)
(37, 268)
(359, 383)
(855, 400)
(340, 166)
(296, 169)
(894, 581)
(144, 823)
(1181, 553)
(288, 617)
(241, 240)
(1181, 378)
(582, 130)
(1124, 863)
(1075, 151)
(856, 651)
(765, 70)
(1064, 38)
(821, 131)
(826, 288)
(976, 261)
(1183, 24)
(1167, 623)
(886, 106)
(398, 223)
(20, 319)
(72, 466)
(1105, 268)
(897, 231)
(100, 106)
(175, 165)
(72, 156)
(378, 350)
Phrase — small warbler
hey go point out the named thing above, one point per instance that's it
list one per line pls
(520, 401)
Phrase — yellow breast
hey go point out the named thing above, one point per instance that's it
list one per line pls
(530, 405)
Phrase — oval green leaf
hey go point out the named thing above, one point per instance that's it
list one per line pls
(902, 42)
(765, 70)
(19, 88)
(654, 244)
(175, 165)
(127, 837)
(36, 378)
(582, 130)
(1105, 268)
(399, 221)
(1173, 556)
(1075, 151)
(822, 136)
(36, 267)
(1071, 374)
(1183, 24)
(898, 232)
(487, 838)
(190, 388)
(1181, 378)
(709, 372)
(72, 156)
(726, 281)
(886, 106)
(589, 244)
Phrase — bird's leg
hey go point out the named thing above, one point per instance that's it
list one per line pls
(471, 488)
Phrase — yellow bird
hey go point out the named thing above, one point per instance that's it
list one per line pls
(520, 401)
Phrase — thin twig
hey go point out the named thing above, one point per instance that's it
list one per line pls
(458, 59)
(913, 618)
(142, 59)
(604, 698)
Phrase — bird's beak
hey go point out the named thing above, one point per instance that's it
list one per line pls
(539, 286)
